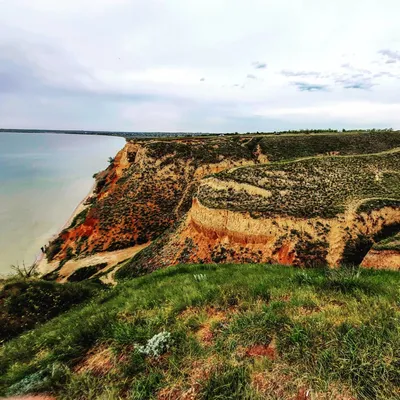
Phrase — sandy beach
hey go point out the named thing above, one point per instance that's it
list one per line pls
(41, 261)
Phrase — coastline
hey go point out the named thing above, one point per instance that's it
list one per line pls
(40, 260)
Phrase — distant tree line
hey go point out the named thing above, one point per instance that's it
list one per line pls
(149, 135)
(308, 131)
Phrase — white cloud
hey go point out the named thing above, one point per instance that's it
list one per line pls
(364, 112)
(145, 63)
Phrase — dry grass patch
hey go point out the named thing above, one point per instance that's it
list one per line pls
(99, 361)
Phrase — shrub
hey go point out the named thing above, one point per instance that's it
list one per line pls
(84, 273)
(25, 303)
(157, 345)
(40, 381)
(54, 248)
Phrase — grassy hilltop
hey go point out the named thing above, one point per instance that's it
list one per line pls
(209, 222)
(225, 332)
(308, 188)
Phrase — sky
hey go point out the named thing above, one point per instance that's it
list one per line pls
(199, 65)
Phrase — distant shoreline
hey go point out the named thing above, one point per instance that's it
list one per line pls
(153, 135)
(125, 135)
(55, 172)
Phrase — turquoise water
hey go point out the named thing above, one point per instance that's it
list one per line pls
(43, 177)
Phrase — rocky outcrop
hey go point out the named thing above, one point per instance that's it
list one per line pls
(385, 253)
(215, 236)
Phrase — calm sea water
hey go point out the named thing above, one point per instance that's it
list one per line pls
(43, 177)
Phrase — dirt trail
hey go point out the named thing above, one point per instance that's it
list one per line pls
(112, 258)
(238, 186)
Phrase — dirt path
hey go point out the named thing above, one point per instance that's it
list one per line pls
(112, 258)
(238, 186)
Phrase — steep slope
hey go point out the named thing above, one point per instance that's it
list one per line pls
(219, 332)
(149, 186)
(146, 188)
(384, 254)
(309, 212)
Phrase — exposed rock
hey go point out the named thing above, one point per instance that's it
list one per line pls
(385, 259)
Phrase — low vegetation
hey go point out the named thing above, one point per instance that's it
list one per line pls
(157, 191)
(84, 273)
(24, 303)
(288, 147)
(334, 182)
(219, 332)
(391, 243)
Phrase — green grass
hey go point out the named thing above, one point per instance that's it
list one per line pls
(285, 147)
(333, 332)
(27, 302)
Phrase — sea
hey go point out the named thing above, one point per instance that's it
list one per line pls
(43, 178)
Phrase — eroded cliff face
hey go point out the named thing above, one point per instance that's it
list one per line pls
(146, 189)
(215, 236)
(224, 199)
(385, 259)
(259, 214)
(385, 253)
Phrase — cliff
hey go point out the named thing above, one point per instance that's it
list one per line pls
(303, 200)
(313, 212)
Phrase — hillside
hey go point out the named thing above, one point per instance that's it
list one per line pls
(384, 254)
(234, 199)
(219, 332)
(263, 297)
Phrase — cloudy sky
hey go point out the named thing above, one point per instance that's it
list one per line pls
(199, 65)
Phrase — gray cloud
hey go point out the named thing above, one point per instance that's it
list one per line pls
(358, 85)
(355, 69)
(259, 65)
(17, 73)
(251, 76)
(355, 82)
(289, 73)
(385, 73)
(58, 68)
(392, 56)
(309, 87)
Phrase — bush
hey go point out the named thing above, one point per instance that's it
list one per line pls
(84, 273)
(54, 248)
(25, 303)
